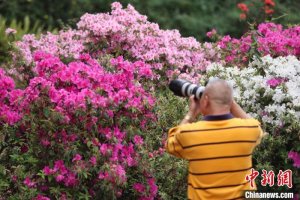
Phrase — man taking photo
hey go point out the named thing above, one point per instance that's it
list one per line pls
(219, 148)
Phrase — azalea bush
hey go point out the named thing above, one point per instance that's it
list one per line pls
(126, 32)
(269, 90)
(68, 132)
(269, 39)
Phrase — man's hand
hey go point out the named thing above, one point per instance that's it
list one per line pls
(194, 107)
(194, 111)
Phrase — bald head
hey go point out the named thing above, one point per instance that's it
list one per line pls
(219, 92)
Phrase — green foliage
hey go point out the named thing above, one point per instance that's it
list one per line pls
(271, 154)
(22, 27)
(170, 172)
(194, 17)
(288, 9)
(191, 17)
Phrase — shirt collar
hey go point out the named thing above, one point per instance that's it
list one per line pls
(218, 117)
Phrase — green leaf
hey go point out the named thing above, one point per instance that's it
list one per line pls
(41, 174)
(46, 112)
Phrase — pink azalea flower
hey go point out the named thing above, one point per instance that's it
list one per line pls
(211, 33)
(103, 149)
(93, 160)
(59, 178)
(59, 164)
(48, 171)
(77, 157)
(70, 179)
(28, 182)
(45, 142)
(103, 175)
(139, 187)
(138, 140)
(295, 156)
(9, 31)
(41, 197)
(85, 57)
(120, 172)
(274, 82)
(153, 186)
(14, 178)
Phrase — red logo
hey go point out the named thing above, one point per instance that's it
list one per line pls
(283, 178)
(268, 178)
(251, 177)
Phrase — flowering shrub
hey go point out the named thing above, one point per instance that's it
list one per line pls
(71, 126)
(128, 33)
(269, 39)
(269, 91)
(9, 111)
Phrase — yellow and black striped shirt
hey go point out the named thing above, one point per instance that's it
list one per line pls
(219, 151)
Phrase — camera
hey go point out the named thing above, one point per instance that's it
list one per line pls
(185, 88)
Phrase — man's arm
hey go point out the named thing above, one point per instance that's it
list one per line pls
(172, 145)
(189, 118)
(237, 111)
(194, 111)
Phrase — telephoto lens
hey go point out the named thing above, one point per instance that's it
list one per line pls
(185, 88)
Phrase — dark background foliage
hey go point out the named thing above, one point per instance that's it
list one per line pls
(191, 17)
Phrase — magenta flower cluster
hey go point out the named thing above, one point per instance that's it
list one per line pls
(142, 188)
(295, 156)
(274, 82)
(275, 40)
(62, 173)
(269, 39)
(83, 86)
(9, 96)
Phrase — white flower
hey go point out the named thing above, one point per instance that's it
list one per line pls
(267, 119)
(278, 96)
(253, 93)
